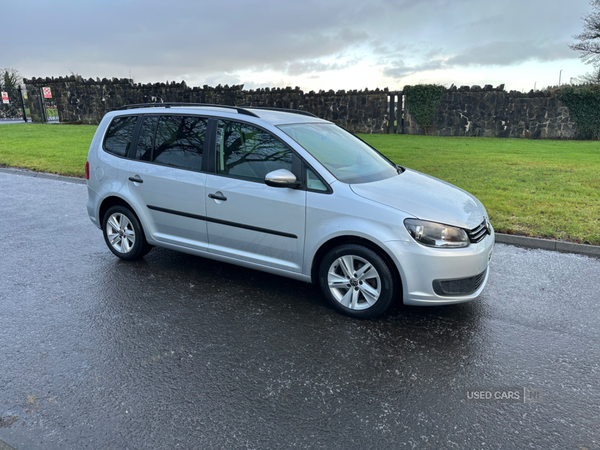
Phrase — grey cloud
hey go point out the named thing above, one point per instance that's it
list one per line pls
(400, 69)
(435, 53)
(223, 79)
(304, 67)
(509, 53)
(521, 21)
(201, 38)
(490, 54)
(350, 36)
(196, 36)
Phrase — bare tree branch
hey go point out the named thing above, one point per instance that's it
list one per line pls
(589, 40)
(590, 78)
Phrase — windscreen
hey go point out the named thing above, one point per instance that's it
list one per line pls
(347, 158)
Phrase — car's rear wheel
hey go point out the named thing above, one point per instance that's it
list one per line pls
(357, 281)
(123, 234)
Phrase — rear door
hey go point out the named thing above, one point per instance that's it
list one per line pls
(246, 219)
(166, 180)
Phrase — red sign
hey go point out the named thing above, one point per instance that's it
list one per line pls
(47, 92)
(5, 97)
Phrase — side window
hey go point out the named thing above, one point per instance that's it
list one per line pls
(313, 182)
(145, 143)
(248, 152)
(179, 141)
(118, 135)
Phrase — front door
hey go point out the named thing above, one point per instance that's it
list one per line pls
(246, 219)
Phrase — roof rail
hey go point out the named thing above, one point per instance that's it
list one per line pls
(291, 111)
(170, 104)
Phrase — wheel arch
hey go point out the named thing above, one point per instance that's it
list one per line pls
(111, 201)
(140, 246)
(340, 240)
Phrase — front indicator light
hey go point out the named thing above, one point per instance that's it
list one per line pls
(438, 235)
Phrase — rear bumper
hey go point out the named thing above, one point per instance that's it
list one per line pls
(93, 206)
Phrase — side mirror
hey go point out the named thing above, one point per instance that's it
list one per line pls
(281, 178)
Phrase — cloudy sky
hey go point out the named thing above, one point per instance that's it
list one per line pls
(326, 44)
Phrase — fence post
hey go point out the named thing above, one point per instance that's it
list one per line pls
(22, 104)
(42, 105)
(391, 112)
(43, 109)
(401, 110)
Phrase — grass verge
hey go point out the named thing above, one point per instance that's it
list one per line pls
(52, 148)
(537, 188)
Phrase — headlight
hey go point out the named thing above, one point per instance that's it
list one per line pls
(434, 234)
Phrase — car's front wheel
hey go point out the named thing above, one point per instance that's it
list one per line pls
(357, 281)
(123, 234)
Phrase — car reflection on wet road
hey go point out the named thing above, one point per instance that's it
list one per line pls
(177, 351)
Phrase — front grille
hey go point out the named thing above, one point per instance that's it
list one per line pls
(478, 233)
(462, 286)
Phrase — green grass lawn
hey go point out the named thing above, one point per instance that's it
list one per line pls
(531, 187)
(48, 148)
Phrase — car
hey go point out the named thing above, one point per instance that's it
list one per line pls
(285, 192)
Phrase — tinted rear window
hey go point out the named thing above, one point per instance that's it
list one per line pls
(118, 135)
(145, 144)
(179, 141)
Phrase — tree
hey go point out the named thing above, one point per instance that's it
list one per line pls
(589, 39)
(590, 78)
(10, 79)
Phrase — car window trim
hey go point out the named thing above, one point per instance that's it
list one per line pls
(299, 165)
(264, 130)
(168, 115)
(132, 142)
(135, 137)
(305, 168)
(210, 147)
(209, 151)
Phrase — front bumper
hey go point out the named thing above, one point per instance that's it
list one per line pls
(434, 276)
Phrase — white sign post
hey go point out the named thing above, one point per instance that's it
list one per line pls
(5, 97)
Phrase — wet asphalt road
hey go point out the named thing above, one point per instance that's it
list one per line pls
(180, 352)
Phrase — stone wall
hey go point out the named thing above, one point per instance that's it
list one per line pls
(493, 112)
(464, 111)
(86, 101)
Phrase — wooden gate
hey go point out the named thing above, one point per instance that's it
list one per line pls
(395, 113)
(48, 107)
(12, 108)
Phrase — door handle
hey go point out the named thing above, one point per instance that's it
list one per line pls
(217, 196)
(136, 179)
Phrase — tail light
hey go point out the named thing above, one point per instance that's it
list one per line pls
(87, 170)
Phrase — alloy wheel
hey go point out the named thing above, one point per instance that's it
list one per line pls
(120, 232)
(354, 282)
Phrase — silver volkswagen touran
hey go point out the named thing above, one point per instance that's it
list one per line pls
(288, 193)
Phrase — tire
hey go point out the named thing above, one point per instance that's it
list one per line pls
(365, 291)
(146, 249)
(123, 234)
